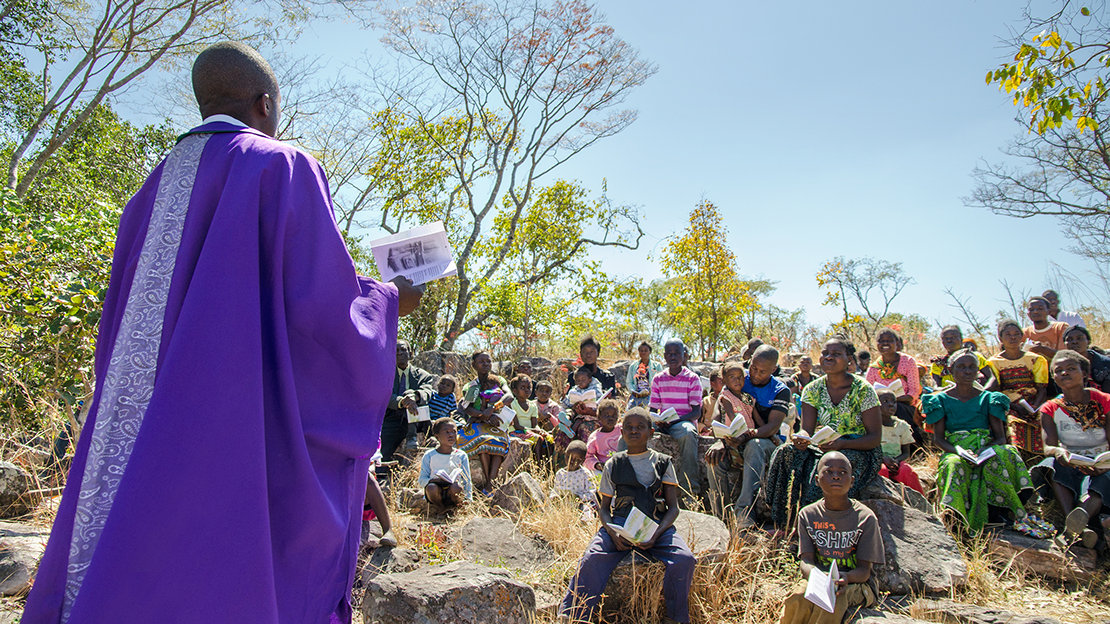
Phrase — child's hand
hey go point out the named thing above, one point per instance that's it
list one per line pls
(618, 540)
(800, 443)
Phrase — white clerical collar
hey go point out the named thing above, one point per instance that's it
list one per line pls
(224, 118)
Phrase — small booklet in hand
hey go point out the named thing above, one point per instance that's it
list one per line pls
(824, 435)
(974, 458)
(577, 395)
(667, 416)
(1098, 462)
(421, 414)
(738, 428)
(637, 527)
(449, 478)
(894, 386)
(507, 414)
(821, 588)
(422, 254)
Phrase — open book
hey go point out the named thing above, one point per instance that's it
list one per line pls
(667, 416)
(507, 414)
(738, 428)
(894, 386)
(972, 457)
(421, 254)
(824, 435)
(1099, 462)
(421, 414)
(821, 588)
(637, 528)
(448, 477)
(577, 395)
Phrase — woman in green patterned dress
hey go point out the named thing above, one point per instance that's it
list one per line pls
(844, 402)
(974, 420)
(484, 435)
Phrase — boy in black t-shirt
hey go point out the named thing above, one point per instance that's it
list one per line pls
(841, 529)
(638, 478)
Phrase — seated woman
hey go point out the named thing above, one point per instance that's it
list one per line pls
(844, 402)
(952, 339)
(484, 434)
(1022, 376)
(1078, 339)
(969, 419)
(893, 365)
(1075, 423)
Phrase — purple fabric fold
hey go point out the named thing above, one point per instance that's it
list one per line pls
(242, 499)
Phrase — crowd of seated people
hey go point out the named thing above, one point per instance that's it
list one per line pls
(795, 452)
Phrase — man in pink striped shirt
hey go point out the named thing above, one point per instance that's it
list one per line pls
(680, 388)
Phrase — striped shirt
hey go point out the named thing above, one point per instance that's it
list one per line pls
(441, 405)
(681, 391)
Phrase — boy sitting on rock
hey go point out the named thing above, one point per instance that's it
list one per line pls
(637, 478)
(835, 528)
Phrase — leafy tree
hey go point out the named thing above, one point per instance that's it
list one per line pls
(706, 304)
(866, 284)
(1061, 161)
(523, 86)
(55, 255)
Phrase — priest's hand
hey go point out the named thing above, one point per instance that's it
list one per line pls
(408, 296)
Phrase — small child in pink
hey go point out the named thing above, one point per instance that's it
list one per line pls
(603, 442)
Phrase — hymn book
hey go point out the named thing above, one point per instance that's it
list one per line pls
(974, 458)
(738, 428)
(1098, 462)
(824, 435)
(637, 528)
(421, 414)
(667, 416)
(449, 478)
(821, 588)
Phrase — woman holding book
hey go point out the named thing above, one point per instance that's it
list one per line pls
(485, 434)
(1076, 430)
(848, 406)
(980, 478)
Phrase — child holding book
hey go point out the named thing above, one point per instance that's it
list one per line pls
(603, 442)
(634, 479)
(552, 415)
(525, 425)
(443, 402)
(897, 444)
(581, 400)
(836, 528)
(445, 470)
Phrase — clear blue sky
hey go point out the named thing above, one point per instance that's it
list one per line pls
(820, 129)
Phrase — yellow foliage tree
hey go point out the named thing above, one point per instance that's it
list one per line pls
(708, 299)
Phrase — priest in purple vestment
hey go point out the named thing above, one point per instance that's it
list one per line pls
(243, 370)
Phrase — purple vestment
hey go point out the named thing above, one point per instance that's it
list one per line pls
(229, 488)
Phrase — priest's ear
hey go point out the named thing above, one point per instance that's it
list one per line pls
(266, 113)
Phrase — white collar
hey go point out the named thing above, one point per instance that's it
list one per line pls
(224, 118)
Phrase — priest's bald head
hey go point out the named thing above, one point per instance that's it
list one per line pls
(233, 79)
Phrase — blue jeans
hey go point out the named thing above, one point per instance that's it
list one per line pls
(602, 557)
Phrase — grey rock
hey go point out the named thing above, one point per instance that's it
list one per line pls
(921, 557)
(497, 542)
(1043, 557)
(874, 616)
(455, 593)
(21, 549)
(15, 491)
(386, 560)
(518, 494)
(885, 489)
(443, 363)
(707, 536)
(960, 613)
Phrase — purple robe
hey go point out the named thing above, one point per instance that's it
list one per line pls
(229, 488)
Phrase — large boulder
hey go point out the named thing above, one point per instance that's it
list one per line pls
(443, 363)
(497, 542)
(16, 498)
(1044, 558)
(885, 489)
(707, 536)
(921, 557)
(519, 455)
(21, 549)
(455, 593)
(874, 616)
(519, 493)
(387, 560)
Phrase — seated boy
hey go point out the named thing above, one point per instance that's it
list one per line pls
(638, 478)
(841, 529)
(679, 388)
(737, 465)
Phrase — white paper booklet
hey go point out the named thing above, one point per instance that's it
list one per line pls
(972, 457)
(577, 395)
(824, 435)
(637, 528)
(422, 413)
(507, 414)
(738, 428)
(422, 254)
(1099, 462)
(447, 477)
(894, 386)
(821, 588)
(668, 415)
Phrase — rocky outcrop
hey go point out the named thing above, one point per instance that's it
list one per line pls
(455, 593)
(16, 498)
(497, 542)
(1044, 558)
(665, 444)
(386, 560)
(707, 536)
(21, 549)
(519, 493)
(921, 557)
(960, 613)
(444, 363)
(885, 489)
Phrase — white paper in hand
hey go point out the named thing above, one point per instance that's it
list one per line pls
(821, 588)
(422, 414)
(422, 254)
